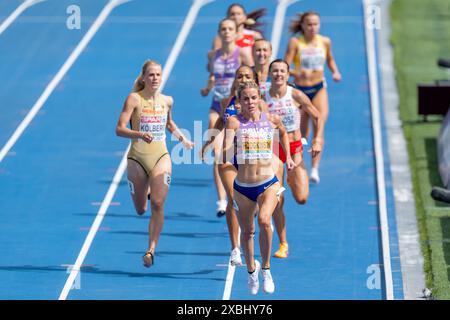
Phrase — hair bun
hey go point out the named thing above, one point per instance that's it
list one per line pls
(250, 22)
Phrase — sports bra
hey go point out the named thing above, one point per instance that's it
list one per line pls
(311, 57)
(254, 138)
(286, 108)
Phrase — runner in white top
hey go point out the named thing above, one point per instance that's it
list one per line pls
(287, 102)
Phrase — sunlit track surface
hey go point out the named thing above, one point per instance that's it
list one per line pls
(54, 179)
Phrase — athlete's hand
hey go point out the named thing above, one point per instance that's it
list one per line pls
(316, 148)
(290, 164)
(147, 137)
(337, 76)
(204, 92)
(188, 144)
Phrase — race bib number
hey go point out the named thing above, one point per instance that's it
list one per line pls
(154, 123)
(313, 58)
(256, 144)
(222, 89)
(289, 114)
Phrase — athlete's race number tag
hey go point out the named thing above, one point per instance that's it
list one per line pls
(222, 89)
(256, 143)
(167, 179)
(289, 114)
(154, 122)
(313, 59)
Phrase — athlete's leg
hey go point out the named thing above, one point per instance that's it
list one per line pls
(221, 194)
(267, 202)
(304, 124)
(247, 224)
(297, 179)
(320, 101)
(228, 174)
(139, 184)
(279, 218)
(159, 183)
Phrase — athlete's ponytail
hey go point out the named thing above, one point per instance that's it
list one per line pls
(251, 22)
(296, 23)
(139, 84)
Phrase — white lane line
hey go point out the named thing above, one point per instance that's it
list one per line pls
(230, 274)
(75, 269)
(21, 8)
(379, 157)
(277, 28)
(229, 282)
(59, 76)
(185, 29)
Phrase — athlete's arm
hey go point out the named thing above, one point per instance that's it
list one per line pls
(217, 43)
(205, 91)
(331, 62)
(218, 127)
(306, 104)
(228, 139)
(121, 129)
(284, 139)
(263, 106)
(257, 35)
(245, 59)
(173, 128)
(290, 54)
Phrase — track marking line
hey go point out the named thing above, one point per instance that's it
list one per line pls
(59, 76)
(16, 13)
(378, 148)
(277, 28)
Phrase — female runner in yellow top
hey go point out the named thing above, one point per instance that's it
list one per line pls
(149, 165)
(310, 52)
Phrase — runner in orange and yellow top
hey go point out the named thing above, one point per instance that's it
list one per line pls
(310, 52)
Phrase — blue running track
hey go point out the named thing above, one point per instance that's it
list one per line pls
(55, 177)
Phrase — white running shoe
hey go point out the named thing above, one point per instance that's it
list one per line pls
(314, 176)
(235, 257)
(221, 207)
(253, 281)
(268, 285)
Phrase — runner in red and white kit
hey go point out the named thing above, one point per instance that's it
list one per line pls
(247, 25)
